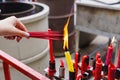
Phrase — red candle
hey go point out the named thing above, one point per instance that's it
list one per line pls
(52, 59)
(111, 72)
(109, 55)
(85, 63)
(97, 55)
(98, 69)
(118, 64)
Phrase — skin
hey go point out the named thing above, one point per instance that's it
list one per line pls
(11, 28)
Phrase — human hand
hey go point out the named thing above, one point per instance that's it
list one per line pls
(11, 28)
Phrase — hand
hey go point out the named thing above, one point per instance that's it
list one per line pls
(11, 28)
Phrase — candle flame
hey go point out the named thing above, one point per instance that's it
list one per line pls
(114, 41)
(65, 45)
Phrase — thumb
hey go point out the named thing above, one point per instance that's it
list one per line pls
(22, 33)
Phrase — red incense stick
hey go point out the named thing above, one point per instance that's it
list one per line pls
(62, 63)
(61, 69)
(54, 35)
(76, 63)
(51, 49)
(44, 34)
(52, 38)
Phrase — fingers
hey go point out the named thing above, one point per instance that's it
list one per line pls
(13, 29)
(21, 29)
(10, 37)
(15, 23)
(17, 38)
(20, 26)
(21, 33)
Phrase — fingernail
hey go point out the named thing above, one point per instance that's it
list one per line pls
(27, 34)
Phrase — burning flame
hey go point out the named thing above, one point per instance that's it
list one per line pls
(65, 45)
(114, 41)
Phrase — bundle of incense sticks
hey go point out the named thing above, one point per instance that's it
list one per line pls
(54, 35)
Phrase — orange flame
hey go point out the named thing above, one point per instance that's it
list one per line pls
(65, 45)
